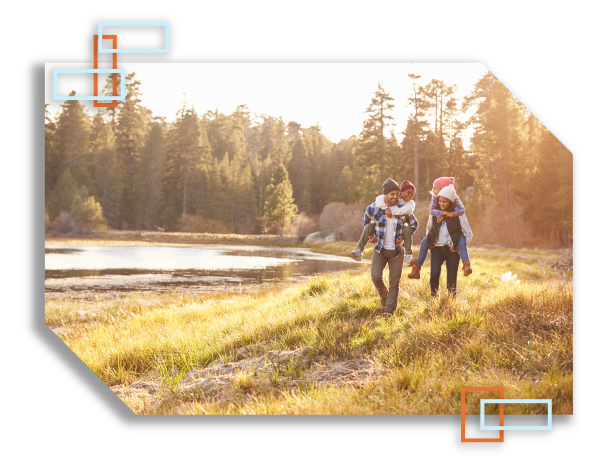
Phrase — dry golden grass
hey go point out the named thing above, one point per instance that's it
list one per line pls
(322, 348)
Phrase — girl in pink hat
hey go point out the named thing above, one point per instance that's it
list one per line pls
(439, 215)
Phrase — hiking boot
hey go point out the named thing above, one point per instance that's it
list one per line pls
(415, 272)
(413, 261)
(467, 268)
(387, 314)
(354, 254)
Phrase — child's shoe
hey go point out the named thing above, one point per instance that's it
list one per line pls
(408, 260)
(355, 254)
(415, 272)
(467, 268)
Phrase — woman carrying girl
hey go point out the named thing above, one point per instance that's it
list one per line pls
(458, 210)
(443, 238)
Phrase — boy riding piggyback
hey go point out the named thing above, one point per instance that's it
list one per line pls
(404, 209)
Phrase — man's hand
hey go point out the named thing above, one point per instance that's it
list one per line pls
(439, 220)
(388, 213)
(373, 239)
(400, 240)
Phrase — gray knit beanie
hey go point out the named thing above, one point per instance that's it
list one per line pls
(389, 186)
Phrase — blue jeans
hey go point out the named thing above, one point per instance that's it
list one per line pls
(462, 249)
(439, 255)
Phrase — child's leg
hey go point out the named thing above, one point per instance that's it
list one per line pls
(366, 232)
(407, 240)
(423, 251)
(462, 248)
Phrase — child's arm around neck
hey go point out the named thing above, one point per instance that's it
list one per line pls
(403, 208)
(459, 208)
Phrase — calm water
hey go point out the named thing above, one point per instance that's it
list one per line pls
(84, 272)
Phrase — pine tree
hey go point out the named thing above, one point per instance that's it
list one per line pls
(150, 175)
(53, 162)
(188, 155)
(241, 200)
(110, 114)
(72, 140)
(299, 172)
(63, 194)
(497, 138)
(107, 172)
(279, 208)
(280, 150)
(345, 187)
(416, 127)
(131, 132)
(550, 192)
(372, 152)
(318, 149)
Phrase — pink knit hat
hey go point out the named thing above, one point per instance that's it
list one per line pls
(443, 182)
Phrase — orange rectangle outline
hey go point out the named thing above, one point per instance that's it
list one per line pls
(98, 103)
(501, 416)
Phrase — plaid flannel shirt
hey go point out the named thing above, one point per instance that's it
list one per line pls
(378, 216)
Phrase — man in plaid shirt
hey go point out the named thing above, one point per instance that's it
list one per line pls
(388, 251)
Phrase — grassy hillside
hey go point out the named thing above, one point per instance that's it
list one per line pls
(322, 346)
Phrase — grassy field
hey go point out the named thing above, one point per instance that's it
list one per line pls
(322, 347)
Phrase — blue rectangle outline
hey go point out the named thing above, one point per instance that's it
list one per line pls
(516, 401)
(166, 24)
(121, 97)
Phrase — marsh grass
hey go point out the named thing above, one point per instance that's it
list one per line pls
(495, 333)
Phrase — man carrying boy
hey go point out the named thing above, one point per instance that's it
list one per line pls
(387, 251)
(405, 207)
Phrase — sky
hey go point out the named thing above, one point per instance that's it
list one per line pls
(332, 95)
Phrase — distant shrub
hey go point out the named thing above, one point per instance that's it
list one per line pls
(87, 213)
(349, 221)
(198, 224)
(327, 217)
(500, 226)
(63, 224)
(301, 226)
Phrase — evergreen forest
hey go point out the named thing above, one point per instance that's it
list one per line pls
(246, 173)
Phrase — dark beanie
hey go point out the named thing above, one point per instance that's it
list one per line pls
(389, 186)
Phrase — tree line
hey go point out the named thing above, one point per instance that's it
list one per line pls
(246, 173)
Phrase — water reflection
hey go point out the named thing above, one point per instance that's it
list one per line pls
(91, 270)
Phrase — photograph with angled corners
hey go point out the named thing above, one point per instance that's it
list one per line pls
(309, 238)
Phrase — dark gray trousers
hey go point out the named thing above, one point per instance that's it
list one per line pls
(389, 295)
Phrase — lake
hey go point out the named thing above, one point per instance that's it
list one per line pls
(86, 272)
